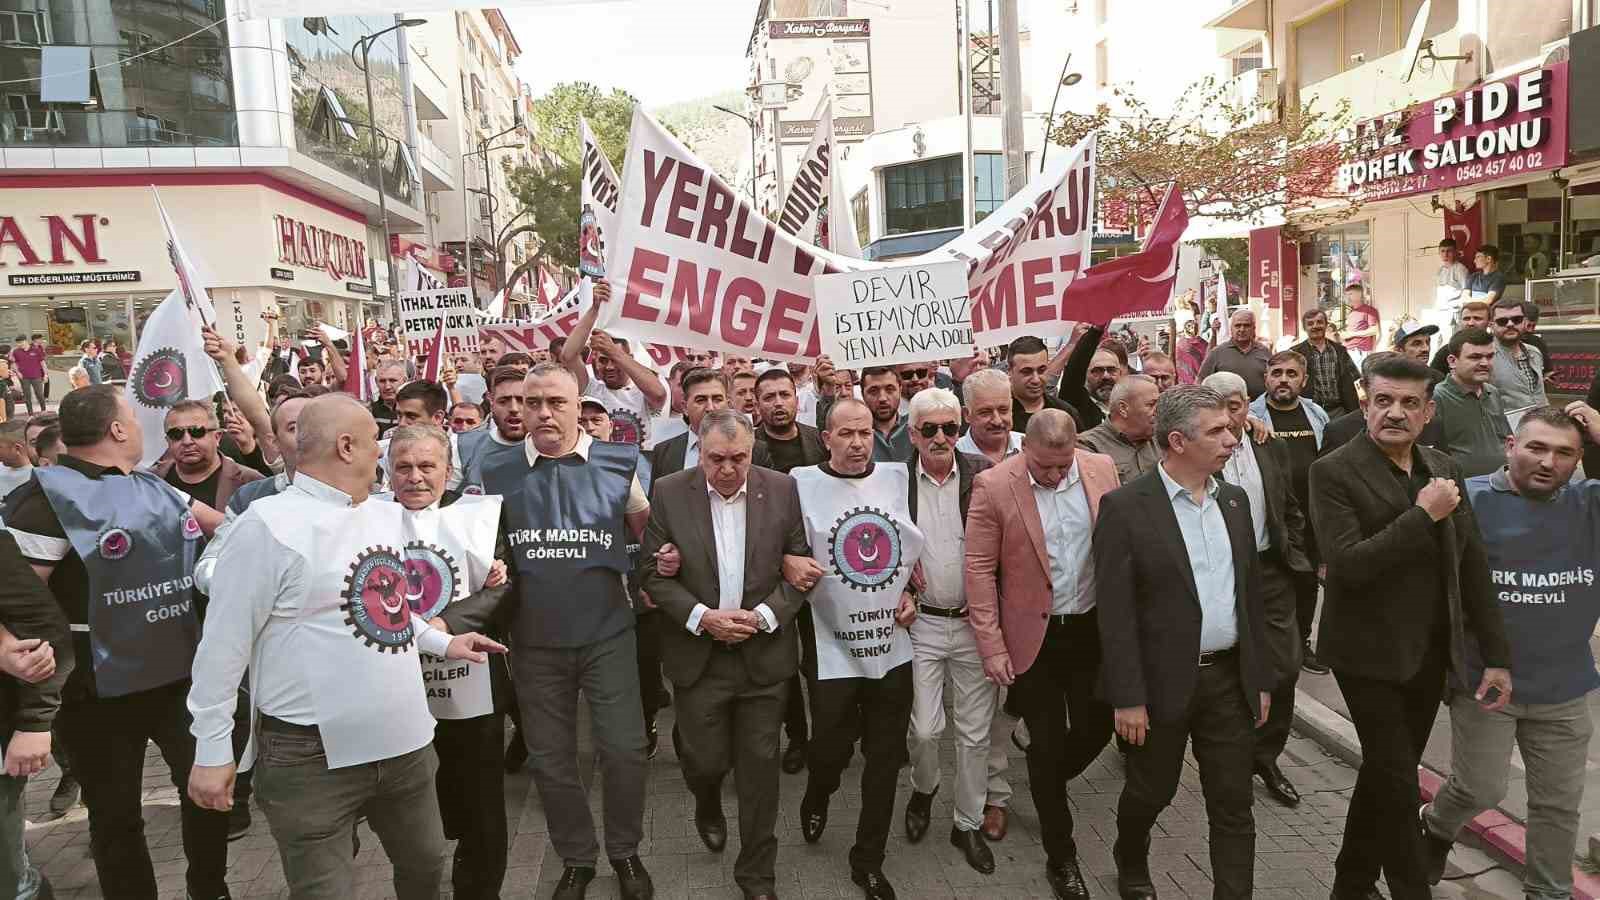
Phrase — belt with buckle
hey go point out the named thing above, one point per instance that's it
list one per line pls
(945, 612)
(1212, 657)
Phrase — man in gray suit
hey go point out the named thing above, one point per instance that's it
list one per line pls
(729, 648)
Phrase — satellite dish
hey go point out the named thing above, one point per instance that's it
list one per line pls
(1413, 48)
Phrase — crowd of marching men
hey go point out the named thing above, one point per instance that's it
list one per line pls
(326, 608)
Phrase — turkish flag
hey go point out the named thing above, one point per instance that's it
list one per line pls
(1465, 224)
(1138, 282)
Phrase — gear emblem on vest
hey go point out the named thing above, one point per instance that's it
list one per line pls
(866, 549)
(191, 527)
(161, 379)
(115, 543)
(375, 600)
(626, 428)
(431, 578)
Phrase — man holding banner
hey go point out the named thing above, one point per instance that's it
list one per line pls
(857, 658)
(626, 386)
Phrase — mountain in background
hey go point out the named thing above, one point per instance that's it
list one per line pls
(721, 140)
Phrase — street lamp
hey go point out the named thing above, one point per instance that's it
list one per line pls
(365, 45)
(488, 191)
(752, 123)
(1068, 79)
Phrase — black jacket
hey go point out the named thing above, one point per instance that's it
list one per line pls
(1286, 521)
(812, 450)
(28, 610)
(967, 468)
(1376, 618)
(1347, 375)
(1073, 391)
(1149, 607)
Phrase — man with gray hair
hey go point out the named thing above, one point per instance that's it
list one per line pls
(1190, 661)
(988, 396)
(1244, 355)
(1031, 600)
(730, 648)
(384, 411)
(1127, 434)
(194, 462)
(943, 645)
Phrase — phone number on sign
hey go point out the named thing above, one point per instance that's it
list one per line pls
(1521, 162)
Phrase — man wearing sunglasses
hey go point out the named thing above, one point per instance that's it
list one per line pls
(193, 462)
(1519, 367)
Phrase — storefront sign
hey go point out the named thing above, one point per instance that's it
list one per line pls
(1274, 262)
(1574, 360)
(47, 279)
(69, 241)
(824, 58)
(310, 247)
(358, 287)
(1504, 128)
(282, 274)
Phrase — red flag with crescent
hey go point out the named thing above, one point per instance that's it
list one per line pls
(1138, 282)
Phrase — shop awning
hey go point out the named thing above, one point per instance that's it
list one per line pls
(1203, 228)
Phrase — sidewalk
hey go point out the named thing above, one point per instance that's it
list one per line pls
(1294, 850)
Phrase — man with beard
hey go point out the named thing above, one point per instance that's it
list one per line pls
(989, 410)
(490, 447)
(914, 377)
(1519, 367)
(626, 386)
(389, 378)
(1090, 395)
(1028, 364)
(1127, 436)
(743, 387)
(1470, 413)
(1244, 356)
(313, 603)
(1300, 423)
(891, 438)
(1331, 374)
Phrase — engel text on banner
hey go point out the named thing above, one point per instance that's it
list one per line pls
(882, 317)
(696, 266)
(424, 313)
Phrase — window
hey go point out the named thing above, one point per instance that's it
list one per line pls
(989, 179)
(922, 196)
(1343, 258)
(858, 211)
(1519, 31)
(1245, 59)
(29, 114)
(1357, 32)
(29, 28)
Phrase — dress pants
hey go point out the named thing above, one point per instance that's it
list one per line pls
(947, 649)
(33, 390)
(312, 810)
(878, 710)
(105, 740)
(794, 712)
(1392, 720)
(648, 640)
(1281, 624)
(1060, 687)
(726, 721)
(1219, 724)
(1305, 602)
(471, 788)
(548, 681)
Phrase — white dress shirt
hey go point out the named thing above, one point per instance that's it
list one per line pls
(728, 516)
(1205, 538)
(1244, 470)
(944, 547)
(691, 452)
(970, 447)
(1064, 513)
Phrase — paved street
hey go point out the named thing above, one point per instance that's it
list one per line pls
(1295, 849)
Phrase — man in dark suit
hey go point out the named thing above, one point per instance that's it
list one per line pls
(1186, 661)
(704, 390)
(729, 649)
(1275, 513)
(1407, 581)
(788, 444)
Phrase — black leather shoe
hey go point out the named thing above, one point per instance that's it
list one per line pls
(1278, 786)
(1435, 850)
(574, 883)
(1309, 661)
(1368, 893)
(633, 882)
(65, 796)
(974, 848)
(873, 885)
(517, 757)
(919, 811)
(813, 818)
(1133, 871)
(712, 825)
(1066, 880)
(794, 758)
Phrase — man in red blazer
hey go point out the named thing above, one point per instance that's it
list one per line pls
(1030, 601)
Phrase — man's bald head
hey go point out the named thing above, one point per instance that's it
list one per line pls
(329, 424)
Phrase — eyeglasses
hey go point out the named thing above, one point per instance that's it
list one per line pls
(1509, 320)
(195, 431)
(914, 374)
(950, 429)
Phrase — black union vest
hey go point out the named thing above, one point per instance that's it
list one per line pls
(568, 535)
(138, 542)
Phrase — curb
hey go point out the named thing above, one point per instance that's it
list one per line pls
(1506, 835)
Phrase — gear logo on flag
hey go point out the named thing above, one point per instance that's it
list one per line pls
(115, 543)
(375, 600)
(866, 549)
(626, 427)
(431, 578)
(161, 379)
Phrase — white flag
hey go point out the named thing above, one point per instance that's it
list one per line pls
(192, 285)
(836, 230)
(804, 210)
(170, 366)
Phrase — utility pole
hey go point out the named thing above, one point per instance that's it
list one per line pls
(1011, 98)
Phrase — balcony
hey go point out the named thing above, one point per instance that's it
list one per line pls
(1378, 86)
(438, 173)
(432, 94)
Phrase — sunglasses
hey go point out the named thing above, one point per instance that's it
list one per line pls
(950, 429)
(1509, 320)
(915, 374)
(459, 420)
(195, 431)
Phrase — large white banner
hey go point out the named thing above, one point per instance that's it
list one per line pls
(695, 266)
(806, 204)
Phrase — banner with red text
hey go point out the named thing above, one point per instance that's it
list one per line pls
(695, 266)
(521, 336)
(805, 207)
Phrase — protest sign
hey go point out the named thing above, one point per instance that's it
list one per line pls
(883, 317)
(423, 313)
(521, 336)
(697, 266)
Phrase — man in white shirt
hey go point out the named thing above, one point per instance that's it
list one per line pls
(343, 728)
(728, 648)
(943, 644)
(1451, 282)
(988, 396)
(631, 391)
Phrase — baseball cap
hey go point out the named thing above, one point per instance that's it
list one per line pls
(1409, 330)
(591, 401)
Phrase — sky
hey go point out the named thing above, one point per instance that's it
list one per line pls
(661, 51)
